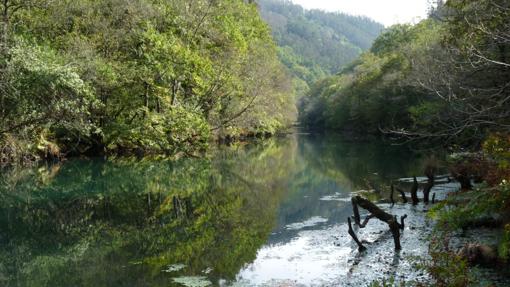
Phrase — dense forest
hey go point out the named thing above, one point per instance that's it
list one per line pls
(314, 44)
(445, 78)
(144, 77)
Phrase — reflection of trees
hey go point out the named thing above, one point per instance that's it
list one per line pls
(330, 164)
(358, 161)
(96, 223)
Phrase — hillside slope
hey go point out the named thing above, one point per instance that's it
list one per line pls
(313, 43)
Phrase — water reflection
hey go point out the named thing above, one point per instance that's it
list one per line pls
(234, 216)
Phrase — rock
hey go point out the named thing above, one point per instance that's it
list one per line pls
(478, 254)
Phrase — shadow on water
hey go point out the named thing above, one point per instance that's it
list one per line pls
(192, 221)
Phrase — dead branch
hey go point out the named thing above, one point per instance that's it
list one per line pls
(353, 235)
(380, 214)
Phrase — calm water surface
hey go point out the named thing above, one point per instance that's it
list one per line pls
(263, 214)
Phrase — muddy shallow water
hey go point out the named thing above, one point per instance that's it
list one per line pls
(324, 255)
(271, 213)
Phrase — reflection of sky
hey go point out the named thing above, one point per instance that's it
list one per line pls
(308, 259)
(301, 248)
(325, 255)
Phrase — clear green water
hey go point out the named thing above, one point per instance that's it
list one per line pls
(154, 223)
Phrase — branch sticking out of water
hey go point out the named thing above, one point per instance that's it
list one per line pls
(378, 213)
(361, 248)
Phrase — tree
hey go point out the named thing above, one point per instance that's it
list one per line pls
(468, 72)
(161, 76)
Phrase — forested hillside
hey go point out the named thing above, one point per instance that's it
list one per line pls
(144, 76)
(445, 78)
(314, 43)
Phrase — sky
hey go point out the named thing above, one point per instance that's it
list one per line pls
(387, 12)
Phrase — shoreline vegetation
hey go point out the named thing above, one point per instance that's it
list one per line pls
(136, 77)
(470, 209)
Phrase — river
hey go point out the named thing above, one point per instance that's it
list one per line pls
(268, 213)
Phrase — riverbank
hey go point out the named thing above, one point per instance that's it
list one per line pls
(19, 152)
(436, 245)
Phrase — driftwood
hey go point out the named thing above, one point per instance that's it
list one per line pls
(353, 235)
(378, 213)
(414, 191)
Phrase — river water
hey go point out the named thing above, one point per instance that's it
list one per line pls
(271, 213)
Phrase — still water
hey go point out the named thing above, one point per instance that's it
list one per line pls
(271, 213)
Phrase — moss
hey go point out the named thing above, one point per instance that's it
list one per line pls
(504, 245)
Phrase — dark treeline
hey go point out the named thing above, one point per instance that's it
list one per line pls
(445, 78)
(144, 76)
(313, 43)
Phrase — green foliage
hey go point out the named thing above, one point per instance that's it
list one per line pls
(466, 210)
(41, 92)
(48, 90)
(392, 39)
(497, 146)
(480, 204)
(449, 270)
(372, 93)
(504, 245)
(149, 76)
(314, 43)
(444, 79)
(176, 130)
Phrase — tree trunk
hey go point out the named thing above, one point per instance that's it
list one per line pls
(5, 29)
(392, 200)
(175, 88)
(146, 95)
